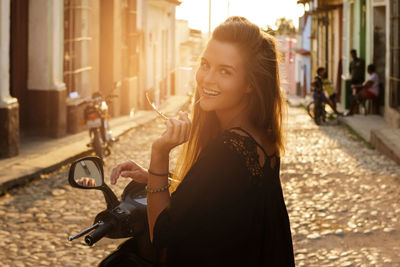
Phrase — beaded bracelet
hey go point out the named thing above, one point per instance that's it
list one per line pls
(151, 191)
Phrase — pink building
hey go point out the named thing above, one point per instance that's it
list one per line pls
(287, 65)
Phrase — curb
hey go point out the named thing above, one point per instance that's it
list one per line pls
(71, 148)
(385, 145)
(26, 179)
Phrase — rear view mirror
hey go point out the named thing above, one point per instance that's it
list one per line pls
(87, 173)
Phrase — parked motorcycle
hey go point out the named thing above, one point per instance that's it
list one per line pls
(97, 120)
(121, 219)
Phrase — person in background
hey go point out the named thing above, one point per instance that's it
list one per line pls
(357, 69)
(320, 85)
(368, 90)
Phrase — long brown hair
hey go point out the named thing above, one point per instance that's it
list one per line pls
(265, 106)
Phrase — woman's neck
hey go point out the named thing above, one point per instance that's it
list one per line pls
(230, 119)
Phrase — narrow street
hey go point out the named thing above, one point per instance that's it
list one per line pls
(342, 198)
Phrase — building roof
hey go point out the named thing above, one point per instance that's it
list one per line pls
(176, 2)
(322, 2)
(303, 52)
(164, 2)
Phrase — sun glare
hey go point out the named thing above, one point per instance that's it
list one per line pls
(261, 12)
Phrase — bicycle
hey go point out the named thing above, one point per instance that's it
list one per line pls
(317, 111)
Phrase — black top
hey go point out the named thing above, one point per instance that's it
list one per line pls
(228, 211)
(318, 84)
(357, 70)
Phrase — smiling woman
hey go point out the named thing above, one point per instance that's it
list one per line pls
(228, 209)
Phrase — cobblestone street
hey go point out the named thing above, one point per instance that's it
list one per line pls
(342, 198)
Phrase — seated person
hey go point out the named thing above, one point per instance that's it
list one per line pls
(368, 90)
(319, 86)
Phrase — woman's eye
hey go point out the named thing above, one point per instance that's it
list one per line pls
(224, 71)
(204, 66)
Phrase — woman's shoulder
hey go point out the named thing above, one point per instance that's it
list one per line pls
(238, 141)
(257, 159)
(229, 147)
(241, 140)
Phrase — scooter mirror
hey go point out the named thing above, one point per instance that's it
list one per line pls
(87, 173)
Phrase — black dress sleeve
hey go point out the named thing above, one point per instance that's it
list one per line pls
(216, 181)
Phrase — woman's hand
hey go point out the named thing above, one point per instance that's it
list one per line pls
(129, 169)
(86, 181)
(177, 133)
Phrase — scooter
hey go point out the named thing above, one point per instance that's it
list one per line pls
(121, 219)
(97, 117)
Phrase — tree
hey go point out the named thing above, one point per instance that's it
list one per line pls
(269, 30)
(285, 27)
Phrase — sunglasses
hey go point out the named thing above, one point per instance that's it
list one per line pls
(153, 105)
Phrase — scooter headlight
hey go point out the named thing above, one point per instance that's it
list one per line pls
(103, 106)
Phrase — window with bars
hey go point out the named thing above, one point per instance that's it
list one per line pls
(395, 54)
(77, 42)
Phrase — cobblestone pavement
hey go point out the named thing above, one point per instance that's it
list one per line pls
(342, 198)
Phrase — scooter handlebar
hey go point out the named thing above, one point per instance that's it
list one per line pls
(99, 233)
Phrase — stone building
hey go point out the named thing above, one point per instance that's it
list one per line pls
(157, 25)
(372, 27)
(326, 38)
(54, 54)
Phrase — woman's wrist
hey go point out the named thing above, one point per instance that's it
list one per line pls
(157, 149)
(156, 182)
(159, 157)
(160, 174)
(159, 162)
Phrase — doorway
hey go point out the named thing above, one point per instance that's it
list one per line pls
(19, 58)
(379, 50)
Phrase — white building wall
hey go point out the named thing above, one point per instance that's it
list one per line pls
(45, 45)
(336, 44)
(159, 45)
(184, 70)
(5, 98)
(303, 72)
(182, 32)
(306, 62)
(345, 45)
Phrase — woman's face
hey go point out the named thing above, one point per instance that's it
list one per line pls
(221, 78)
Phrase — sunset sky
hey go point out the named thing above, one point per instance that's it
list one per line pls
(261, 12)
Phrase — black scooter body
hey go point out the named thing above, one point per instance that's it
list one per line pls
(122, 219)
(138, 250)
